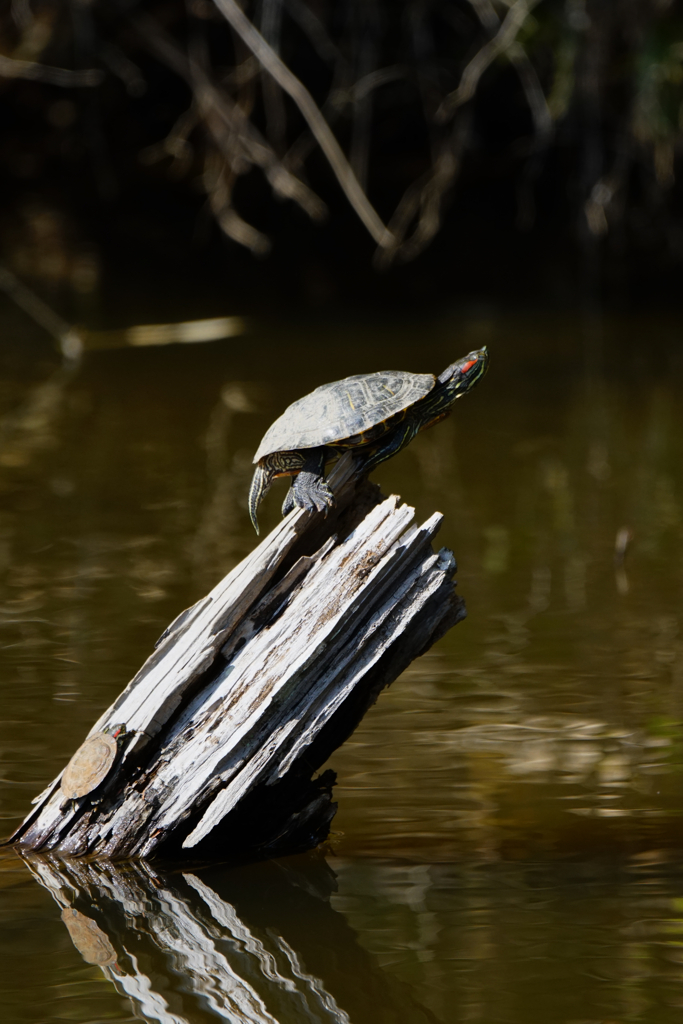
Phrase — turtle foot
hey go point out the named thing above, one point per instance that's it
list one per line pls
(310, 493)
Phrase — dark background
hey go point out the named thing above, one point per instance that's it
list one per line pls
(584, 214)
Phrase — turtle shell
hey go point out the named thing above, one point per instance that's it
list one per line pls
(344, 408)
(89, 766)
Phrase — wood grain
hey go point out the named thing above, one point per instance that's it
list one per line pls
(250, 690)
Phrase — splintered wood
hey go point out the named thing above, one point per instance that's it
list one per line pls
(249, 691)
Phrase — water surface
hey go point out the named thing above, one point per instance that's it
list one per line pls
(509, 829)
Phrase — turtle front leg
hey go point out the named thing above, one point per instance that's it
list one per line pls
(309, 489)
(393, 443)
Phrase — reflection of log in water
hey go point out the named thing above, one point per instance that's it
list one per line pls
(257, 945)
(32, 428)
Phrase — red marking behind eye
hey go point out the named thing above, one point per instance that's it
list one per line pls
(467, 366)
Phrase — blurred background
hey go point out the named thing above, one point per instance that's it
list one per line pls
(487, 149)
(208, 210)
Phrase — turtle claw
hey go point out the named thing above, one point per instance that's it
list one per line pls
(289, 503)
(323, 497)
(311, 493)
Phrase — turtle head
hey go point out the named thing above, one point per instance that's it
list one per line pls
(116, 731)
(462, 375)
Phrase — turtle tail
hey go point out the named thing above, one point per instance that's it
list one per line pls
(260, 483)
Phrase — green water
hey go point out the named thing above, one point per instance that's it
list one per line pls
(509, 835)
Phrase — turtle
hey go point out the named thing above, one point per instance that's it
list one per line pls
(91, 763)
(375, 414)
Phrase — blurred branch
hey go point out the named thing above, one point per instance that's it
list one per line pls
(12, 68)
(310, 23)
(236, 138)
(68, 338)
(176, 144)
(339, 98)
(288, 81)
(273, 100)
(486, 13)
(124, 69)
(239, 119)
(538, 105)
(540, 111)
(21, 13)
(502, 41)
(423, 199)
(183, 332)
(383, 76)
(366, 57)
(218, 187)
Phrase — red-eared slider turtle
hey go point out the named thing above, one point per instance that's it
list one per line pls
(91, 763)
(377, 414)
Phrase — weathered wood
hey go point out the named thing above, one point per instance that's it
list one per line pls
(250, 690)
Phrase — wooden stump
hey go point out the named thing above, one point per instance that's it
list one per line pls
(250, 690)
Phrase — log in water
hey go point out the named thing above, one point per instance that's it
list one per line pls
(250, 690)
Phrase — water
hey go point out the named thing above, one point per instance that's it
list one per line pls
(509, 831)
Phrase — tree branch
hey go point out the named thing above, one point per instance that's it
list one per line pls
(288, 81)
(502, 41)
(12, 68)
